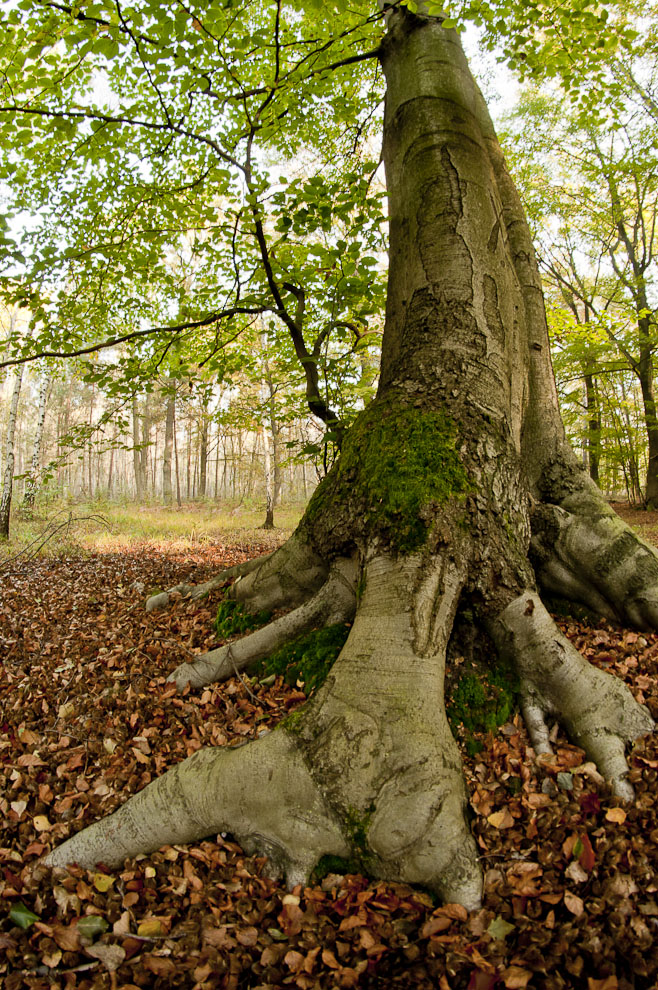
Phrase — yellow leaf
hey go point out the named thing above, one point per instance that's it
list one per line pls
(102, 882)
(151, 928)
(617, 815)
(501, 819)
(41, 823)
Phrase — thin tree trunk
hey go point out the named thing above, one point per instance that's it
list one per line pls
(137, 464)
(203, 454)
(593, 427)
(167, 490)
(32, 484)
(178, 500)
(269, 494)
(8, 480)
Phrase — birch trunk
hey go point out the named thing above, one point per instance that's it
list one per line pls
(32, 482)
(8, 478)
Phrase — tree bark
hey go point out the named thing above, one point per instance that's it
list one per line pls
(137, 464)
(32, 483)
(167, 454)
(593, 427)
(203, 453)
(8, 479)
(440, 485)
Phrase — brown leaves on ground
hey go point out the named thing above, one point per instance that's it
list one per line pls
(87, 718)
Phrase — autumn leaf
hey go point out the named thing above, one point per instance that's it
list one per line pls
(499, 928)
(111, 956)
(501, 819)
(102, 882)
(514, 977)
(617, 815)
(573, 903)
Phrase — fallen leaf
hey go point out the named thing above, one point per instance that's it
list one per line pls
(294, 960)
(102, 882)
(501, 819)
(248, 936)
(499, 928)
(111, 956)
(158, 965)
(52, 958)
(515, 977)
(573, 903)
(92, 925)
(617, 815)
(22, 916)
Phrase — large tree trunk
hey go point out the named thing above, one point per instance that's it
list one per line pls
(429, 510)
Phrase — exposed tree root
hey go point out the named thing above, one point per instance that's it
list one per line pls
(335, 602)
(597, 710)
(261, 792)
(195, 591)
(585, 552)
(282, 579)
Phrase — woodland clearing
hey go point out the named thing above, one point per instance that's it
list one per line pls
(87, 718)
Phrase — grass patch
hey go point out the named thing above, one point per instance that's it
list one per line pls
(101, 524)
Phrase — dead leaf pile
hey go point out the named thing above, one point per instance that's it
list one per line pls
(86, 718)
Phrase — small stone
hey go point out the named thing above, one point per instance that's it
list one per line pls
(565, 781)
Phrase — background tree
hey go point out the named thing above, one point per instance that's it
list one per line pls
(591, 188)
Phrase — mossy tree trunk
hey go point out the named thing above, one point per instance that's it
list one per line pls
(454, 490)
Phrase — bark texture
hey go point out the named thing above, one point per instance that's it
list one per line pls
(8, 479)
(454, 488)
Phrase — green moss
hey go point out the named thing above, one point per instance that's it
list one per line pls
(481, 699)
(356, 825)
(335, 864)
(396, 461)
(232, 618)
(307, 659)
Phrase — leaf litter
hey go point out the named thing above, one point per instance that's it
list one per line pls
(87, 718)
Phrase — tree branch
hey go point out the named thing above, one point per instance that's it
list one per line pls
(135, 334)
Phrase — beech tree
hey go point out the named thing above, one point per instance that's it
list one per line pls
(455, 488)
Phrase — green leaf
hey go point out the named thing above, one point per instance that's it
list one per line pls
(92, 925)
(500, 929)
(22, 916)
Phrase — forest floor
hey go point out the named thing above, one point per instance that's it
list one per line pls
(86, 718)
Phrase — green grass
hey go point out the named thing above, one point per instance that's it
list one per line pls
(104, 525)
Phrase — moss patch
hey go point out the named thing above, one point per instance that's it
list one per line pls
(396, 461)
(308, 659)
(479, 699)
(335, 864)
(232, 618)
